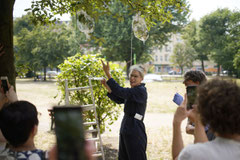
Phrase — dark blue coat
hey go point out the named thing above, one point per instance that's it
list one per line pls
(133, 138)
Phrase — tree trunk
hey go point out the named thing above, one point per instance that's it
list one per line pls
(7, 67)
(45, 73)
(218, 70)
(202, 62)
(181, 68)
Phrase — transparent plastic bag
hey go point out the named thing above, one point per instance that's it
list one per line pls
(140, 28)
(85, 23)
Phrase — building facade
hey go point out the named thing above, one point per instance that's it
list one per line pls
(161, 55)
(161, 58)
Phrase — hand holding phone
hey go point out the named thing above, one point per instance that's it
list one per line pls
(70, 133)
(4, 84)
(177, 99)
(191, 96)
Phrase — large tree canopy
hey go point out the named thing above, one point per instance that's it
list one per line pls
(191, 36)
(152, 11)
(218, 31)
(41, 46)
(183, 56)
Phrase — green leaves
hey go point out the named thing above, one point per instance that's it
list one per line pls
(40, 46)
(183, 56)
(158, 10)
(77, 69)
(220, 37)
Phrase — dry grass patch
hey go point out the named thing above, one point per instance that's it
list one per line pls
(160, 96)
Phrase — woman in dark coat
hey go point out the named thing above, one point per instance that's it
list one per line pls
(133, 138)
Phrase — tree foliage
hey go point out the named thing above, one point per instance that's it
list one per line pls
(22, 22)
(158, 10)
(234, 38)
(183, 56)
(77, 69)
(44, 46)
(216, 37)
(215, 32)
(192, 36)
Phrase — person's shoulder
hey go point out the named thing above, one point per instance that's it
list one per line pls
(141, 89)
(38, 153)
(29, 155)
(194, 151)
(4, 155)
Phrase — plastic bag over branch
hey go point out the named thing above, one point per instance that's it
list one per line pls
(140, 28)
(85, 23)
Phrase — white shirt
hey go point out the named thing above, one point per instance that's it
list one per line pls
(219, 149)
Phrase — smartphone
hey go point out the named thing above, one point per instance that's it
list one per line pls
(191, 96)
(177, 98)
(69, 132)
(4, 85)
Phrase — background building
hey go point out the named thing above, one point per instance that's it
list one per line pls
(161, 58)
(162, 55)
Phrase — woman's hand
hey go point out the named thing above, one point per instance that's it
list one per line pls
(89, 149)
(193, 114)
(104, 83)
(106, 69)
(11, 94)
(181, 112)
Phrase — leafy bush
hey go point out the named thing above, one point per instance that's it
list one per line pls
(76, 70)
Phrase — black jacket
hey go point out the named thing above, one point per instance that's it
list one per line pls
(134, 99)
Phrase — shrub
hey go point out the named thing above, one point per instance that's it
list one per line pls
(76, 70)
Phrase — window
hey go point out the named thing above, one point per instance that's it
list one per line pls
(161, 59)
(166, 57)
(168, 48)
(161, 49)
(156, 58)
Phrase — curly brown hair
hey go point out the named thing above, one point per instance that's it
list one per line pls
(195, 76)
(219, 106)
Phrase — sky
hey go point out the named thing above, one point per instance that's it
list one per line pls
(199, 8)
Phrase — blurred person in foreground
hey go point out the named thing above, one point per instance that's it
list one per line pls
(89, 150)
(8, 97)
(218, 105)
(133, 137)
(19, 125)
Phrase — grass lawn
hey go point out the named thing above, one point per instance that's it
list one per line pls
(160, 96)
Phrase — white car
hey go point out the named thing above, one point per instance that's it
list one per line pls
(52, 73)
(152, 77)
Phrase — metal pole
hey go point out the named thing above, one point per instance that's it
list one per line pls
(131, 47)
(66, 93)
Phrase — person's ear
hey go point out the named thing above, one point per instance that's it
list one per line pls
(34, 130)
